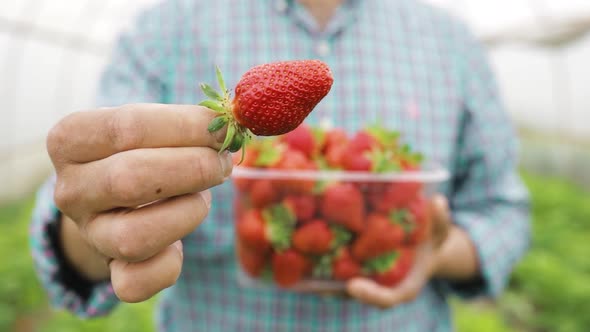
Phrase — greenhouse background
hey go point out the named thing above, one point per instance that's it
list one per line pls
(51, 53)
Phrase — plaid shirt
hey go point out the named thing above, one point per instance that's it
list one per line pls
(399, 62)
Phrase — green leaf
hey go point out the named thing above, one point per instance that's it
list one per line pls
(213, 105)
(220, 81)
(217, 123)
(210, 92)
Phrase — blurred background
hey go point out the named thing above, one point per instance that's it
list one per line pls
(51, 53)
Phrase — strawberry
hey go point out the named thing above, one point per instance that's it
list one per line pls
(343, 204)
(295, 160)
(302, 139)
(303, 206)
(270, 99)
(334, 138)
(382, 234)
(263, 229)
(389, 269)
(339, 265)
(252, 261)
(262, 193)
(289, 267)
(317, 238)
(344, 266)
(383, 197)
(416, 221)
(357, 152)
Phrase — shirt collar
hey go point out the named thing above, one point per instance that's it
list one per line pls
(282, 6)
(344, 15)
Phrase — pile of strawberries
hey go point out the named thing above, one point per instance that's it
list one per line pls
(289, 230)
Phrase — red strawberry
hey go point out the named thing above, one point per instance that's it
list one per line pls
(343, 204)
(270, 99)
(289, 267)
(385, 197)
(357, 152)
(317, 238)
(416, 221)
(263, 229)
(252, 261)
(334, 138)
(339, 265)
(302, 139)
(303, 206)
(335, 155)
(344, 266)
(295, 160)
(389, 269)
(381, 234)
(262, 193)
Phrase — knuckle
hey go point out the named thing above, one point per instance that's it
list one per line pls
(123, 129)
(205, 172)
(57, 139)
(64, 196)
(121, 182)
(127, 246)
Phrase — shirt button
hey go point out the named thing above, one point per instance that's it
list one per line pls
(322, 48)
(281, 5)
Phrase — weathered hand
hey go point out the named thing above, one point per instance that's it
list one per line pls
(131, 182)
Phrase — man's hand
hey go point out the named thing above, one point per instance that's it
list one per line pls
(131, 182)
(433, 258)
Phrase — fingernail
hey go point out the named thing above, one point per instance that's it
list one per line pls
(220, 134)
(227, 163)
(207, 198)
(178, 245)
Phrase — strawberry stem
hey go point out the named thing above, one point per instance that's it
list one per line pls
(237, 136)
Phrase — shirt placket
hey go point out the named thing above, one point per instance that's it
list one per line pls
(323, 40)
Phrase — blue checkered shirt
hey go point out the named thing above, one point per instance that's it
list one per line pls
(398, 62)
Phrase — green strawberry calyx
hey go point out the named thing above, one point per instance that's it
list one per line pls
(280, 225)
(381, 264)
(237, 136)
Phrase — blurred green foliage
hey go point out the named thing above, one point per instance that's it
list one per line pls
(549, 290)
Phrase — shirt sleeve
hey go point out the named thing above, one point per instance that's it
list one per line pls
(488, 199)
(134, 74)
(64, 288)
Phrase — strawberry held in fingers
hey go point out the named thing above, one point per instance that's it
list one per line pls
(270, 99)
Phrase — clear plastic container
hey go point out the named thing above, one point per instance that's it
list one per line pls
(341, 212)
